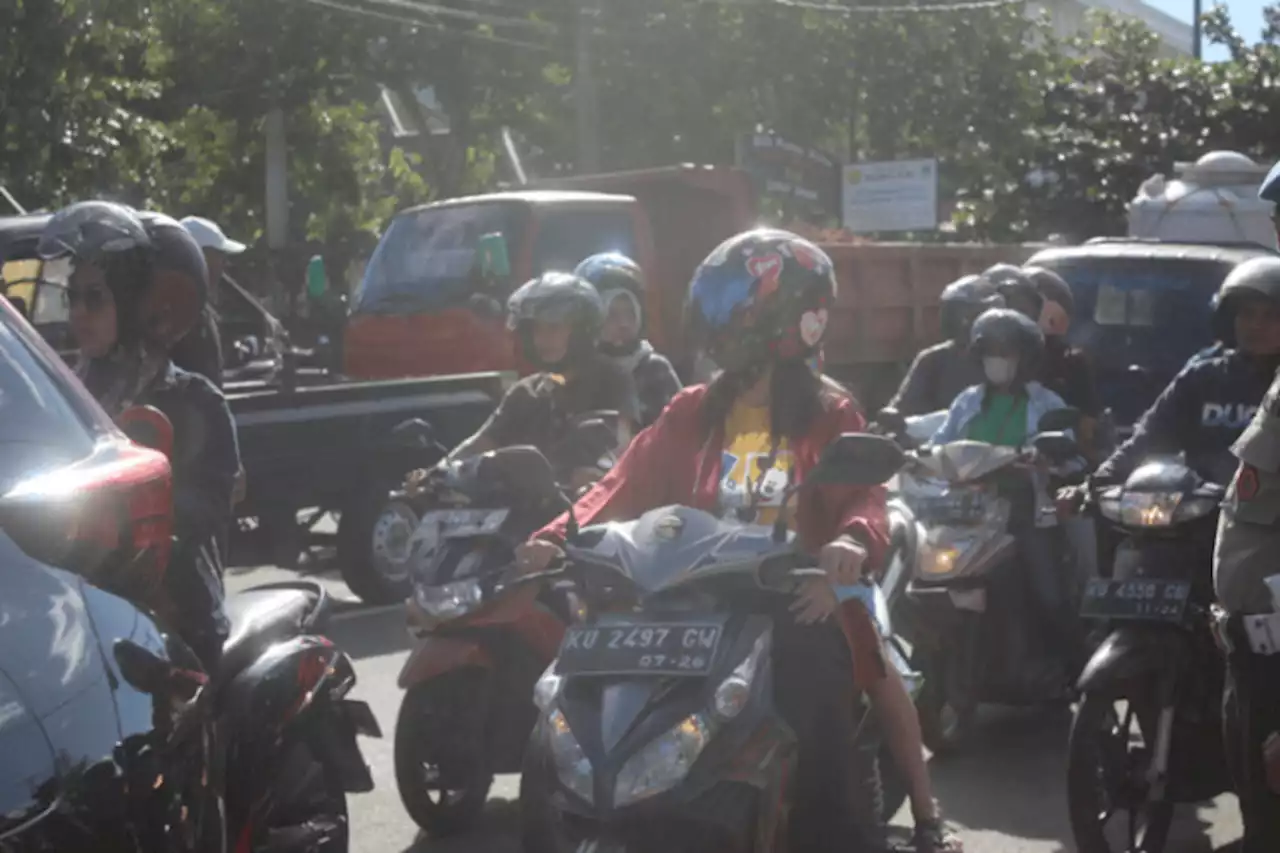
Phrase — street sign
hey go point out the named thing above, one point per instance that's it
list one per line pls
(897, 195)
(804, 181)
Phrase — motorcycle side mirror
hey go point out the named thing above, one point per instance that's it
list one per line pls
(415, 434)
(1059, 420)
(890, 420)
(147, 426)
(857, 459)
(153, 675)
(1057, 446)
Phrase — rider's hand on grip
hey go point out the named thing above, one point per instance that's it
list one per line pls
(843, 560)
(815, 601)
(415, 482)
(535, 555)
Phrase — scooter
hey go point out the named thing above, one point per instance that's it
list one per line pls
(965, 606)
(467, 711)
(657, 729)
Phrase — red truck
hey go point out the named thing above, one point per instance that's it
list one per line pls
(416, 312)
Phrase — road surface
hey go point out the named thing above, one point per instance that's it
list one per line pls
(1005, 795)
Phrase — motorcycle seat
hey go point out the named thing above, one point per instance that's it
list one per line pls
(261, 617)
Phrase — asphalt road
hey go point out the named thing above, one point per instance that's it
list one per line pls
(1005, 795)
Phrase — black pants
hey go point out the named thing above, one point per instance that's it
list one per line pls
(1251, 712)
(815, 693)
(193, 583)
(1048, 582)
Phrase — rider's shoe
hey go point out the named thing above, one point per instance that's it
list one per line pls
(933, 836)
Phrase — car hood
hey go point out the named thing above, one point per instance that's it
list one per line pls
(57, 711)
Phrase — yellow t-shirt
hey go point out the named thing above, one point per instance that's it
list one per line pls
(746, 443)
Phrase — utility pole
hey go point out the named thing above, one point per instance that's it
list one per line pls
(584, 93)
(1195, 28)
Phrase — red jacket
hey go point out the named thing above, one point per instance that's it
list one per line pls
(669, 463)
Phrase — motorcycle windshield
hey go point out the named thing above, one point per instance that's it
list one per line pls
(674, 544)
(963, 461)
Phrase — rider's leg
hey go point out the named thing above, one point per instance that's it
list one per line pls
(1049, 583)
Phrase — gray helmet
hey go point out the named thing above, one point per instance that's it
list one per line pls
(962, 301)
(1019, 291)
(1009, 328)
(557, 297)
(1257, 277)
(110, 236)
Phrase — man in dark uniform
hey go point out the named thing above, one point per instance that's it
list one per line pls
(941, 372)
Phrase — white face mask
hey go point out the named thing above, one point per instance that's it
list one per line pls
(1000, 371)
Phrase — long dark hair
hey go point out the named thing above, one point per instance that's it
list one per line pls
(797, 397)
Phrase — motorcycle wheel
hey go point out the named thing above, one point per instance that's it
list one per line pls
(373, 536)
(538, 826)
(426, 729)
(315, 817)
(1106, 773)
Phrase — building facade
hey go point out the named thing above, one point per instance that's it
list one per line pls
(1068, 18)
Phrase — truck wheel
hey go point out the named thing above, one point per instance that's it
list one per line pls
(373, 548)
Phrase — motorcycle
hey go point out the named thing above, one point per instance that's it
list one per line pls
(965, 606)
(467, 709)
(657, 728)
(117, 739)
(1158, 671)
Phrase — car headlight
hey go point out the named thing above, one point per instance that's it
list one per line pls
(663, 762)
(450, 600)
(734, 692)
(572, 765)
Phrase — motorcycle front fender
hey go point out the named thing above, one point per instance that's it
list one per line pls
(1131, 653)
(435, 656)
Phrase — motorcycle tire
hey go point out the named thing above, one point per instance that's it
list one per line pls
(315, 818)
(1084, 769)
(537, 819)
(429, 712)
(364, 574)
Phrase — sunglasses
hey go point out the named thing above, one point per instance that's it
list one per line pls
(94, 298)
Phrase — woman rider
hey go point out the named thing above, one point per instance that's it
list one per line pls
(135, 288)
(760, 303)
(620, 283)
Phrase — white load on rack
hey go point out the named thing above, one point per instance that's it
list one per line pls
(1214, 200)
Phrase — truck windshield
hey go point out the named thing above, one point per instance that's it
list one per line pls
(1139, 320)
(424, 260)
(567, 236)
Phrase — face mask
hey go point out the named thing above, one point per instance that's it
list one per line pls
(1000, 371)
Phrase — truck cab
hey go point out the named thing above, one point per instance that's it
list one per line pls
(428, 306)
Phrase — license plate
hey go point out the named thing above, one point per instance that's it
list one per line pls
(1160, 600)
(958, 507)
(462, 523)
(640, 648)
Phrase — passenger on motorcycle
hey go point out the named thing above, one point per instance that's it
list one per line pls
(943, 370)
(1006, 410)
(135, 287)
(557, 318)
(1017, 289)
(620, 283)
(1206, 406)
(760, 303)
(1244, 557)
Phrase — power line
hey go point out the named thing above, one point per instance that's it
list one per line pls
(433, 25)
(840, 9)
(467, 15)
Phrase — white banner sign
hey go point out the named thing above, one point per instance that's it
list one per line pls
(901, 195)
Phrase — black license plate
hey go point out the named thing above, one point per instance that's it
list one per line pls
(1160, 600)
(640, 648)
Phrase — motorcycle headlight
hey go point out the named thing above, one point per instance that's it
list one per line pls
(937, 561)
(572, 765)
(734, 692)
(663, 762)
(1149, 509)
(450, 600)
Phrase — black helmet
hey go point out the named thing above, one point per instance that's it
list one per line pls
(1052, 287)
(1019, 291)
(180, 280)
(557, 297)
(1255, 277)
(1009, 328)
(110, 236)
(962, 301)
(761, 295)
(614, 276)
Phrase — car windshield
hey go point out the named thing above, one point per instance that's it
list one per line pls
(567, 236)
(1140, 320)
(39, 428)
(424, 259)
